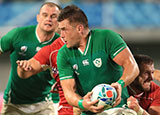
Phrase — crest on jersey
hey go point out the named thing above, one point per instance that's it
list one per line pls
(98, 62)
(24, 48)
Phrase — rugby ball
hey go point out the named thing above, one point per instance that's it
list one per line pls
(106, 94)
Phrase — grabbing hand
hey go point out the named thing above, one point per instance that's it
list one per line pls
(54, 88)
(133, 103)
(91, 105)
(24, 65)
(118, 88)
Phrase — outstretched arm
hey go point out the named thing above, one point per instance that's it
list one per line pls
(27, 68)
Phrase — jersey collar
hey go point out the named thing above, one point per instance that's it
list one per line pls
(45, 42)
(87, 46)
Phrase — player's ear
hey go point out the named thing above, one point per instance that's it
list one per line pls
(37, 17)
(80, 28)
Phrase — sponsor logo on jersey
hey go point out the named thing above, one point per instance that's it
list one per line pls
(85, 62)
(75, 67)
(23, 50)
(98, 62)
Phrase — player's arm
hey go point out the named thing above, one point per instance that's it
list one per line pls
(157, 75)
(27, 68)
(154, 110)
(69, 88)
(130, 71)
(130, 67)
(133, 104)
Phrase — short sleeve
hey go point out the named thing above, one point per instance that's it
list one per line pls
(115, 43)
(64, 68)
(6, 42)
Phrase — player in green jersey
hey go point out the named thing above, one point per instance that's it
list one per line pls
(30, 96)
(92, 57)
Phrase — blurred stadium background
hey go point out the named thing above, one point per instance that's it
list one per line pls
(138, 21)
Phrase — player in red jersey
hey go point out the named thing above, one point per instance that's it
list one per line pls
(144, 92)
(46, 58)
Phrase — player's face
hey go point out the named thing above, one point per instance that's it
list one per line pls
(70, 33)
(146, 76)
(47, 18)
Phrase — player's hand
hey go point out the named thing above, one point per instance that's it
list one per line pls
(133, 103)
(90, 105)
(24, 65)
(54, 88)
(77, 111)
(118, 88)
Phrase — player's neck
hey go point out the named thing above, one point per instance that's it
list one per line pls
(84, 40)
(44, 36)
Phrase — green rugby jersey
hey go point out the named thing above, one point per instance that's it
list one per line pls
(95, 65)
(23, 44)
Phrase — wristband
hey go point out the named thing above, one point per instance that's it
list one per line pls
(121, 82)
(80, 104)
(140, 111)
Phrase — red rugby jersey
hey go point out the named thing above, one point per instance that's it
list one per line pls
(150, 98)
(47, 57)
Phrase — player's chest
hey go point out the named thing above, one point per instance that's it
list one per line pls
(92, 60)
(28, 48)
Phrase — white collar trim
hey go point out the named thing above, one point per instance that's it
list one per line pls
(86, 50)
(40, 40)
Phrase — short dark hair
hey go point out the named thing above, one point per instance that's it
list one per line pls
(51, 4)
(143, 59)
(74, 15)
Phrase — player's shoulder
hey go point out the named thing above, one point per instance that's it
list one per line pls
(59, 40)
(24, 28)
(154, 86)
(106, 31)
(99, 35)
(58, 43)
(56, 35)
(64, 49)
(104, 34)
